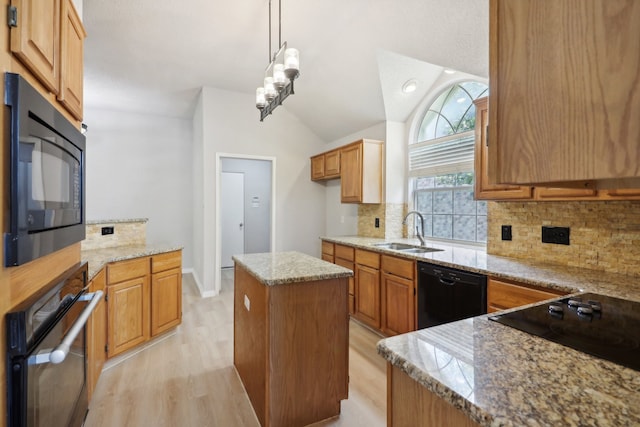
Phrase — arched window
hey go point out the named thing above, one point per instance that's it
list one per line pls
(441, 166)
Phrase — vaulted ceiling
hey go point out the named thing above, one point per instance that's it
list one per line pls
(154, 55)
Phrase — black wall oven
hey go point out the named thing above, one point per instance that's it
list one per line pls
(47, 179)
(46, 354)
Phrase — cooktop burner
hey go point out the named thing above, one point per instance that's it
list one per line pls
(602, 326)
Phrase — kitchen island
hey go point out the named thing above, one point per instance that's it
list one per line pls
(291, 326)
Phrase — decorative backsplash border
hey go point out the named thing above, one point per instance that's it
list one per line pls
(126, 232)
(604, 235)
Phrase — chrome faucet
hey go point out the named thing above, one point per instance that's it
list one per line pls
(419, 235)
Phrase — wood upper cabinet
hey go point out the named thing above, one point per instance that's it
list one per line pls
(166, 292)
(325, 166)
(367, 288)
(398, 295)
(564, 83)
(504, 294)
(48, 39)
(72, 35)
(484, 189)
(551, 193)
(361, 172)
(97, 334)
(35, 40)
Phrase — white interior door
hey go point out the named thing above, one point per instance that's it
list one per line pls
(232, 216)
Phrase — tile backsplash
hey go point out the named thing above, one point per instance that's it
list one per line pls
(604, 235)
(390, 215)
(127, 232)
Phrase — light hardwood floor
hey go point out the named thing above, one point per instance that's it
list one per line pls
(187, 378)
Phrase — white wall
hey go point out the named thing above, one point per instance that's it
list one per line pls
(231, 125)
(139, 166)
(342, 218)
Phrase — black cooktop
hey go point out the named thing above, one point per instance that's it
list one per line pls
(599, 325)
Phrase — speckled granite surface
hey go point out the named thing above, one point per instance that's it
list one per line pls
(500, 376)
(278, 268)
(115, 221)
(568, 279)
(98, 258)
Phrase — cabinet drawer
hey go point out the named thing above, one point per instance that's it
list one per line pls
(370, 259)
(502, 295)
(327, 248)
(126, 270)
(398, 266)
(344, 252)
(166, 261)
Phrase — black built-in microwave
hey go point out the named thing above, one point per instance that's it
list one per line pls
(46, 176)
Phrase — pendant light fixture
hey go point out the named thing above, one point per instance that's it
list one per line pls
(283, 69)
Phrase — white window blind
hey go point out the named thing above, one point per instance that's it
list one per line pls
(450, 154)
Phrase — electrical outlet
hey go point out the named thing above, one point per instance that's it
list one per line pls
(107, 230)
(556, 235)
(377, 223)
(506, 232)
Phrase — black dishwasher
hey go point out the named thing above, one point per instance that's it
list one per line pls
(447, 294)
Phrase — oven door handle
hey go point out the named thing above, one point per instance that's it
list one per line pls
(60, 352)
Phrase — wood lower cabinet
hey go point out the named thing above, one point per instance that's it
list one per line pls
(411, 404)
(398, 295)
(97, 334)
(328, 251)
(503, 294)
(144, 299)
(128, 314)
(344, 256)
(484, 188)
(367, 287)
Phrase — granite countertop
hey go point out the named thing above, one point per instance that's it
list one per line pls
(98, 258)
(278, 268)
(116, 221)
(500, 376)
(476, 259)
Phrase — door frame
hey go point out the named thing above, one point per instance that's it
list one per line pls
(218, 258)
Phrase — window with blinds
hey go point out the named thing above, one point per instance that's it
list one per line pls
(441, 162)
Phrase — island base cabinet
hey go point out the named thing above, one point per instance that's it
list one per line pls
(291, 348)
(409, 404)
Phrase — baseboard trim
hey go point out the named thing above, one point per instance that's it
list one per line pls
(203, 293)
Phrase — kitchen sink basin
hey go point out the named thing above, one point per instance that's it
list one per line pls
(394, 246)
(403, 247)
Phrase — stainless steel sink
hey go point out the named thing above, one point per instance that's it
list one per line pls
(403, 247)
(394, 246)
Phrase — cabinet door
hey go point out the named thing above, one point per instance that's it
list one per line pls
(332, 164)
(368, 295)
(128, 312)
(484, 190)
(564, 85)
(398, 305)
(72, 35)
(351, 173)
(166, 300)
(97, 334)
(36, 39)
(317, 167)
